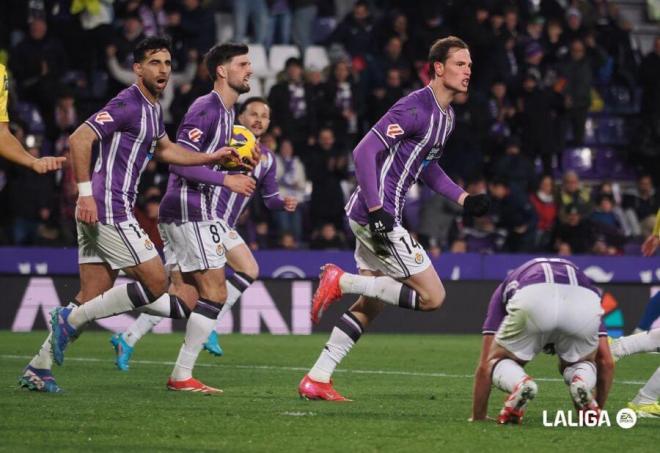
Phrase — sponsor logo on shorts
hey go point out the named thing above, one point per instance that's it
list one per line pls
(419, 258)
(103, 117)
(394, 130)
(148, 244)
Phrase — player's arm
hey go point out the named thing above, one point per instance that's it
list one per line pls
(651, 243)
(270, 191)
(436, 178)
(174, 154)
(12, 150)
(605, 368)
(482, 382)
(241, 184)
(80, 146)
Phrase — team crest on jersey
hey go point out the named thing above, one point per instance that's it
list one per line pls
(148, 244)
(103, 117)
(220, 249)
(419, 258)
(394, 130)
(195, 135)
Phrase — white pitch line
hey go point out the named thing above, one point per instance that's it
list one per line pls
(296, 368)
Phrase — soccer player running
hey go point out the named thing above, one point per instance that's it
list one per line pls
(10, 148)
(403, 147)
(127, 132)
(544, 303)
(254, 114)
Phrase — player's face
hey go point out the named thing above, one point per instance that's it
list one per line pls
(154, 71)
(239, 70)
(256, 117)
(457, 70)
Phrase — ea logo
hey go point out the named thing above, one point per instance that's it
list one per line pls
(626, 418)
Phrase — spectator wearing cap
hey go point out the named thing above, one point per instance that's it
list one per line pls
(534, 58)
(575, 29)
(537, 120)
(294, 115)
(574, 232)
(577, 74)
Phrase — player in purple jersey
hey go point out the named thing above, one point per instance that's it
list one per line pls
(255, 115)
(403, 147)
(545, 303)
(127, 132)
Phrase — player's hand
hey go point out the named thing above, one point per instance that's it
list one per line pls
(381, 222)
(650, 245)
(241, 184)
(46, 164)
(290, 204)
(86, 210)
(476, 205)
(225, 155)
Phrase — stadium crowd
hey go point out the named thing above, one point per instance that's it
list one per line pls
(545, 74)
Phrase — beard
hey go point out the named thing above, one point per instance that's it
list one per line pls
(152, 87)
(239, 88)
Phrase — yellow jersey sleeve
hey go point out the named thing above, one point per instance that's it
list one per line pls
(4, 94)
(656, 229)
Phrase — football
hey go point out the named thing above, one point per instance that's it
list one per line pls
(243, 141)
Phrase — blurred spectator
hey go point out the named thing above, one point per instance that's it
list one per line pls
(197, 26)
(576, 72)
(554, 43)
(437, 214)
(188, 92)
(516, 168)
(501, 111)
(575, 30)
(146, 213)
(328, 168)
(37, 63)
(328, 238)
(292, 181)
(391, 57)
(573, 194)
(574, 232)
(256, 11)
(483, 236)
(338, 107)
(545, 206)
(294, 112)
(304, 13)
(124, 43)
(287, 241)
(612, 191)
(641, 205)
(433, 26)
(382, 98)
(355, 32)
(154, 18)
(514, 215)
(537, 121)
(396, 24)
(506, 63)
(279, 23)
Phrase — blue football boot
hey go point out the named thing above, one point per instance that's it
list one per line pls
(38, 380)
(63, 332)
(123, 351)
(213, 345)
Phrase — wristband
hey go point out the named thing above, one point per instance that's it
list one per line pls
(85, 189)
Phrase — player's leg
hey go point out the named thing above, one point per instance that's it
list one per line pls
(645, 402)
(408, 281)
(210, 284)
(651, 313)
(576, 342)
(640, 342)
(95, 278)
(317, 384)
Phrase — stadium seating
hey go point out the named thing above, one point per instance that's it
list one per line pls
(279, 53)
(316, 57)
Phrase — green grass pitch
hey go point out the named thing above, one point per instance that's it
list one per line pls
(411, 393)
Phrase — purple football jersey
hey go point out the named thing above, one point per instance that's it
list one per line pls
(128, 128)
(539, 270)
(230, 204)
(414, 132)
(205, 128)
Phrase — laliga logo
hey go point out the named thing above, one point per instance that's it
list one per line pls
(625, 418)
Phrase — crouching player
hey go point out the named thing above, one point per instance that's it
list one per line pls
(255, 115)
(545, 301)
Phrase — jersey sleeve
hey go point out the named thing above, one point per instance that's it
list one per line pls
(4, 95)
(496, 312)
(194, 131)
(114, 117)
(269, 186)
(401, 120)
(161, 132)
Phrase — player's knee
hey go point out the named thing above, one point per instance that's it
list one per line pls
(431, 300)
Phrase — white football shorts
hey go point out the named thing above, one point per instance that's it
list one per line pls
(121, 245)
(566, 315)
(193, 246)
(400, 257)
